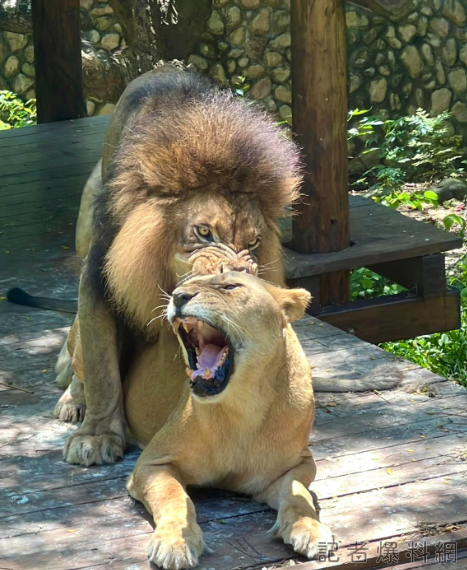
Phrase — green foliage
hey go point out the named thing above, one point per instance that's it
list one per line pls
(414, 148)
(455, 220)
(15, 113)
(365, 284)
(414, 201)
(443, 353)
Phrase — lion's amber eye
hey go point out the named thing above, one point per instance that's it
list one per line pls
(203, 232)
(254, 243)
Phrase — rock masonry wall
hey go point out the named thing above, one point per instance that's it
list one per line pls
(393, 67)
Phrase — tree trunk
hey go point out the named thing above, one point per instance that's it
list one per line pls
(158, 29)
(57, 61)
(153, 30)
(392, 9)
(319, 113)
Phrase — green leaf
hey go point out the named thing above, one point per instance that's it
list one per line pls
(431, 195)
(367, 283)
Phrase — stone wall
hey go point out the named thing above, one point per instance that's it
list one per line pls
(99, 26)
(392, 67)
(17, 64)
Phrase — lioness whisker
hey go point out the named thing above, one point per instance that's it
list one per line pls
(240, 330)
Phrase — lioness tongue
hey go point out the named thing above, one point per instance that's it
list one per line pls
(210, 358)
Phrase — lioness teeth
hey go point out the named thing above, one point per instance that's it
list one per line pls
(207, 374)
(189, 372)
(200, 325)
(186, 327)
(176, 326)
(197, 351)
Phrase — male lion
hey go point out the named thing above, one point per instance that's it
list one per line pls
(240, 422)
(185, 166)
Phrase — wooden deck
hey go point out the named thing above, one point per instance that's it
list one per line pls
(392, 466)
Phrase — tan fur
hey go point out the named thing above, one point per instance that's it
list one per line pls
(177, 153)
(92, 189)
(251, 438)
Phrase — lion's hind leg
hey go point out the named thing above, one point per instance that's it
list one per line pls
(297, 521)
(64, 368)
(71, 406)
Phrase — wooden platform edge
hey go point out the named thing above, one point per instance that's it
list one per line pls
(396, 317)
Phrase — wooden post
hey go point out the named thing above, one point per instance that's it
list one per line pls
(319, 113)
(57, 59)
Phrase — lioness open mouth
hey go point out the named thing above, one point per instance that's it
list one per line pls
(210, 357)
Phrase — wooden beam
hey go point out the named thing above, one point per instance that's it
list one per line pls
(57, 60)
(396, 317)
(426, 275)
(313, 286)
(319, 114)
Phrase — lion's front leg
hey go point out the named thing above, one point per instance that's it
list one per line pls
(177, 541)
(102, 437)
(297, 521)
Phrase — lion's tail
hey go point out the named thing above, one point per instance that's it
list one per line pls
(20, 297)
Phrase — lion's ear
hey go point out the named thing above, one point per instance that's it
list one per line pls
(293, 302)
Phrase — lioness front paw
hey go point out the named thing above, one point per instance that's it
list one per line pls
(175, 548)
(305, 536)
(95, 443)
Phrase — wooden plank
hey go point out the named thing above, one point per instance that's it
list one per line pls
(426, 276)
(319, 104)
(57, 61)
(51, 172)
(121, 542)
(383, 236)
(410, 553)
(77, 125)
(67, 144)
(65, 135)
(26, 192)
(396, 317)
(31, 161)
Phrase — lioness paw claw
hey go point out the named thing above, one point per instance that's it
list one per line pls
(177, 553)
(307, 536)
(93, 449)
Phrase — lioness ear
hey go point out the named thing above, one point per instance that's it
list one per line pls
(293, 302)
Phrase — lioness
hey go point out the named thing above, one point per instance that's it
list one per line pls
(185, 166)
(240, 421)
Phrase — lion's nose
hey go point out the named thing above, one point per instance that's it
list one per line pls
(181, 298)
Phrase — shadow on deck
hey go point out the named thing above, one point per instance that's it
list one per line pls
(392, 466)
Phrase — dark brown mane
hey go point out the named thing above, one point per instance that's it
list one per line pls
(184, 142)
